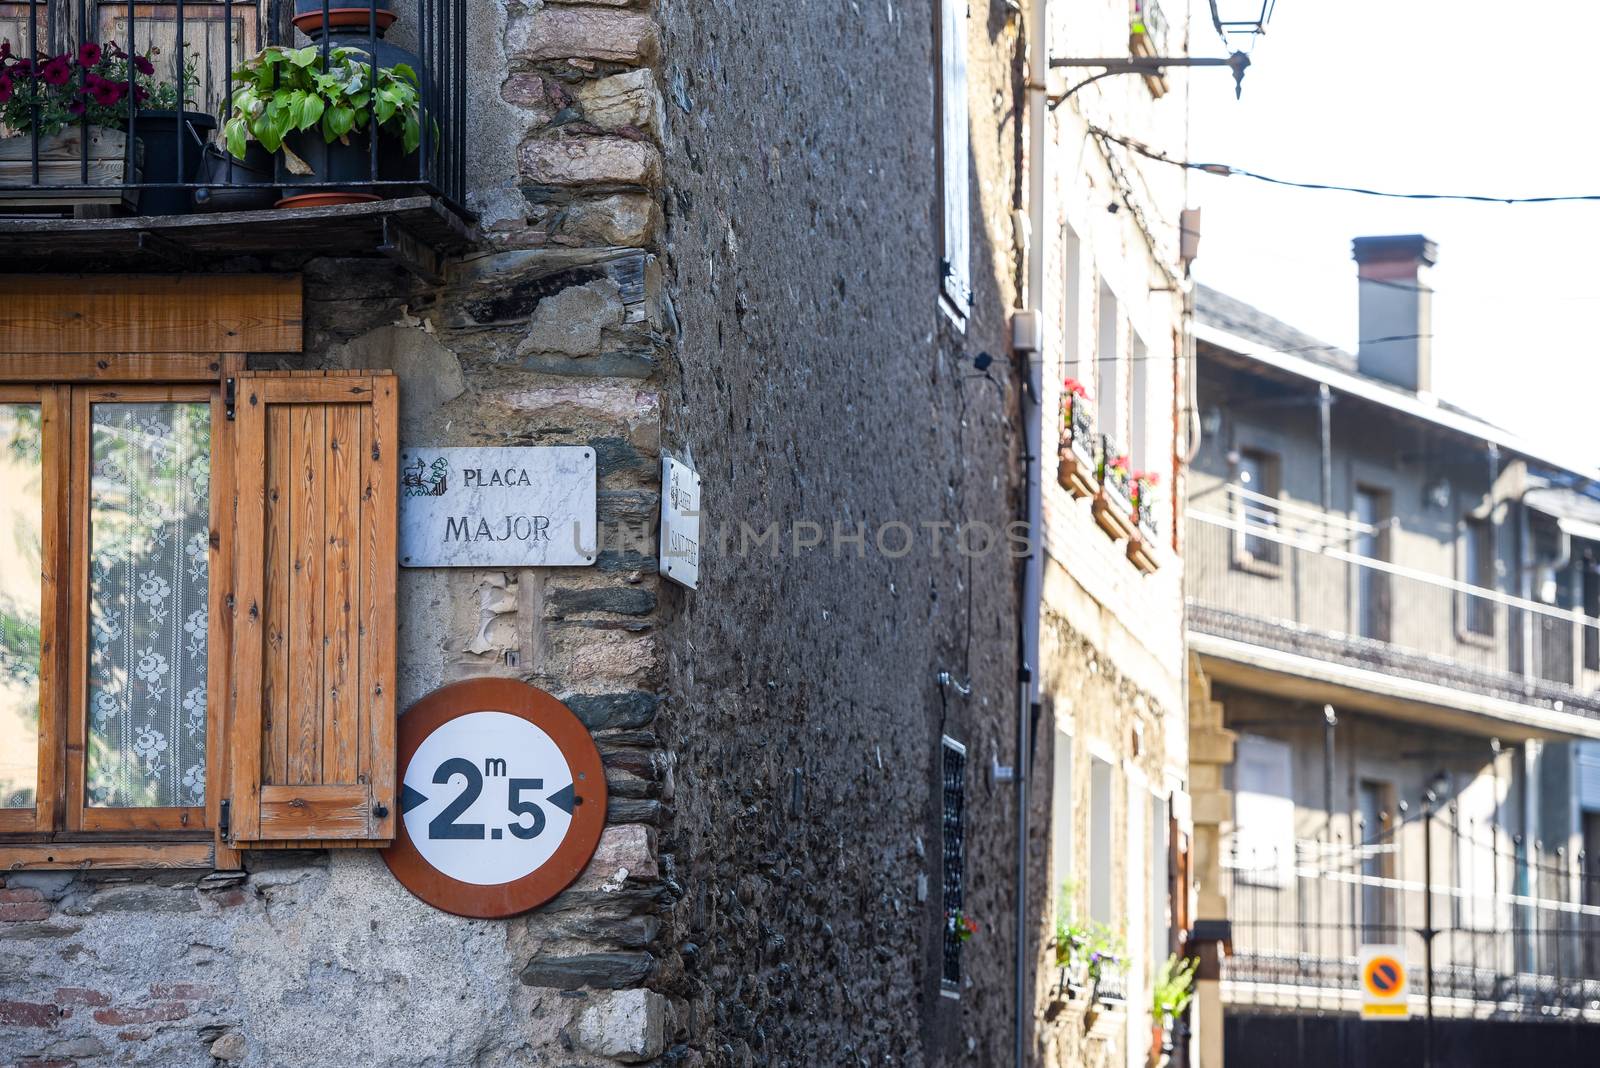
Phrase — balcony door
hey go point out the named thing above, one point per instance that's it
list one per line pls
(1378, 919)
(1372, 606)
(207, 25)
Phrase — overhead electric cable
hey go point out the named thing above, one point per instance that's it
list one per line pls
(1228, 170)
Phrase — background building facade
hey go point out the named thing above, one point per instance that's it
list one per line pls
(1394, 672)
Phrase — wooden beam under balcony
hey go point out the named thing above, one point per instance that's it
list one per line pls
(163, 242)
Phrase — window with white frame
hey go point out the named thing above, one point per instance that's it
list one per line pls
(1256, 508)
(1061, 810)
(1101, 908)
(1108, 365)
(954, 181)
(1160, 880)
(1263, 811)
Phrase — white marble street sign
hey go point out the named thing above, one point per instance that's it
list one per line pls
(528, 507)
(680, 522)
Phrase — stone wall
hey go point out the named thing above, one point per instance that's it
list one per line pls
(761, 295)
(554, 334)
(818, 381)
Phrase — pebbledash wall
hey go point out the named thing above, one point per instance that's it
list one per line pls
(763, 296)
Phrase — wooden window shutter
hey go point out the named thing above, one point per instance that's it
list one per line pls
(311, 736)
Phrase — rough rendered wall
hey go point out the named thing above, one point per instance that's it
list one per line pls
(550, 337)
(816, 380)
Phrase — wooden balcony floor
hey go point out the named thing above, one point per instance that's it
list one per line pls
(426, 224)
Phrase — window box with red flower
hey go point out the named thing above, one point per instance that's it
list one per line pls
(1113, 505)
(1141, 546)
(1075, 469)
(65, 118)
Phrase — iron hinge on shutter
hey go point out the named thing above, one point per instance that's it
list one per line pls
(229, 395)
(223, 822)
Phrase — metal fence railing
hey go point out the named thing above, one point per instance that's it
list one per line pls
(125, 107)
(1271, 577)
(1516, 928)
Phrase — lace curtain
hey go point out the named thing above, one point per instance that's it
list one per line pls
(149, 519)
(21, 519)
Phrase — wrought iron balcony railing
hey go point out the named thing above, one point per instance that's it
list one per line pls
(1265, 576)
(196, 108)
(1517, 930)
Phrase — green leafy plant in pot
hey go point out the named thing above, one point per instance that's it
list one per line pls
(1169, 996)
(320, 117)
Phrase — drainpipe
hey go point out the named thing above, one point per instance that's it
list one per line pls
(1028, 339)
(1325, 416)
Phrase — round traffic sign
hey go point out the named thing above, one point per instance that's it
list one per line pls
(1384, 976)
(502, 798)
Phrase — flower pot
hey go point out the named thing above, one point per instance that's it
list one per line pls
(61, 162)
(340, 167)
(160, 133)
(244, 185)
(309, 17)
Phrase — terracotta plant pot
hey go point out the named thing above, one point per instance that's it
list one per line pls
(308, 16)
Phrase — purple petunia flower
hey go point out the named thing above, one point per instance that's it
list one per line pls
(143, 65)
(56, 71)
(88, 55)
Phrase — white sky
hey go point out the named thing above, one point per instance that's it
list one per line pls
(1420, 96)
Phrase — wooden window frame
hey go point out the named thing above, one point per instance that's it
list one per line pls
(61, 831)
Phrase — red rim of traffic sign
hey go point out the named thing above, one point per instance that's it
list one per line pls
(588, 814)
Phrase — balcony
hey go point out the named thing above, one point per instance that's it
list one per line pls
(168, 133)
(1518, 930)
(1147, 36)
(1277, 586)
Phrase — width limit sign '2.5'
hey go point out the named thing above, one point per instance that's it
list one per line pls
(502, 798)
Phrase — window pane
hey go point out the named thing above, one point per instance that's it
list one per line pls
(149, 520)
(21, 519)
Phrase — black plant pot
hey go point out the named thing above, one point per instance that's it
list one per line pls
(347, 15)
(247, 184)
(343, 170)
(162, 133)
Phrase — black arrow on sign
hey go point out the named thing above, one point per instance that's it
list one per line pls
(564, 798)
(409, 799)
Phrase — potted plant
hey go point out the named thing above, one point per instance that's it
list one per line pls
(76, 105)
(173, 138)
(1142, 495)
(310, 16)
(1076, 469)
(320, 116)
(1174, 987)
(961, 926)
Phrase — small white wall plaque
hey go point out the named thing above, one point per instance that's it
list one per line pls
(527, 507)
(680, 522)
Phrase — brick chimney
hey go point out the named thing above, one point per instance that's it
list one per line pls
(1397, 303)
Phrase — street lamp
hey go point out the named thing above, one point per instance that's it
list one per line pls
(1150, 66)
(1241, 16)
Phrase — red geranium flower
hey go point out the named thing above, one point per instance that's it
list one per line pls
(56, 71)
(88, 55)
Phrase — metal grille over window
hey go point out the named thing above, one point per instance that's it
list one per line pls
(956, 929)
(149, 523)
